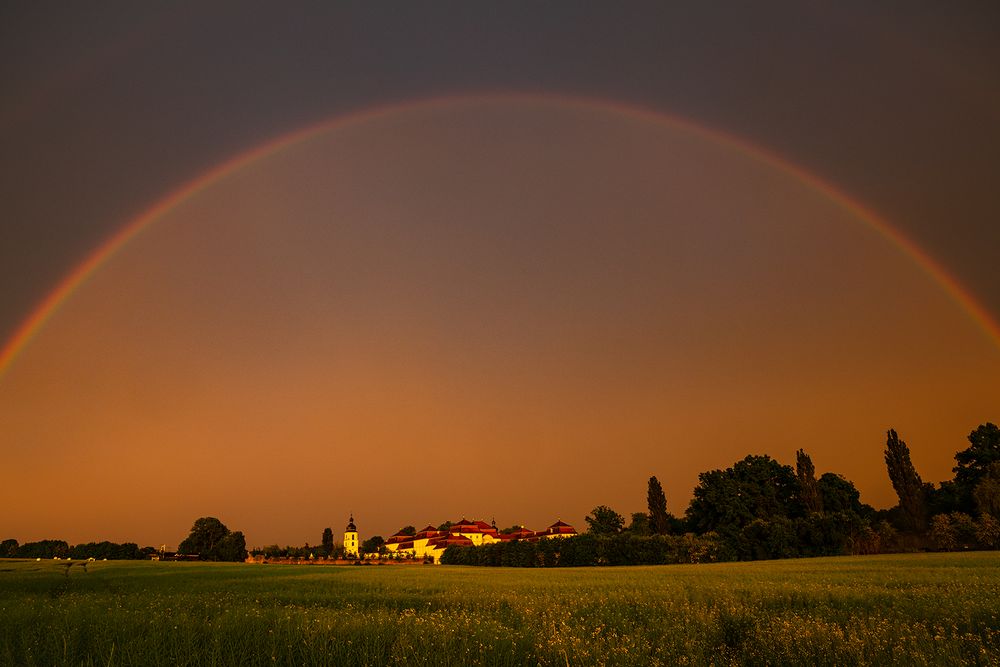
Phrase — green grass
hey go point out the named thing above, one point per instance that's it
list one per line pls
(907, 610)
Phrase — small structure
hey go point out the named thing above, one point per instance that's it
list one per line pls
(351, 547)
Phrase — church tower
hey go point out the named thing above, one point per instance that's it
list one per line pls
(351, 539)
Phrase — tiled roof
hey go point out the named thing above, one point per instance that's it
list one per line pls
(464, 528)
(448, 540)
(425, 534)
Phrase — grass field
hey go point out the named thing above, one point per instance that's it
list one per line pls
(910, 609)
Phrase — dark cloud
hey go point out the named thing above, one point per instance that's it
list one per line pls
(106, 108)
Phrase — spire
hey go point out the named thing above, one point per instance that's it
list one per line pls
(351, 528)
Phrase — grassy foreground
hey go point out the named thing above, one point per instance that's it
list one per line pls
(911, 609)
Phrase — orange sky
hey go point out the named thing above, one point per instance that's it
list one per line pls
(513, 309)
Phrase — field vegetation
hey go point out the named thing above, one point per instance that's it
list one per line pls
(901, 609)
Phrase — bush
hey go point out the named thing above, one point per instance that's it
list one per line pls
(588, 550)
(988, 532)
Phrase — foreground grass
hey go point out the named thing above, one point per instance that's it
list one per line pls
(912, 609)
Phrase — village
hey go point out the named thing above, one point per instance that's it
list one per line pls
(424, 546)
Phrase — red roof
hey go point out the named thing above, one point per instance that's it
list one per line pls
(448, 540)
(424, 534)
(464, 528)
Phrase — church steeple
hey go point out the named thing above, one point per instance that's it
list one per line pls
(351, 539)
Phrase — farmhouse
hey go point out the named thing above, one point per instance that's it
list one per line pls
(431, 542)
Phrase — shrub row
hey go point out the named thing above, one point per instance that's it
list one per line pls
(588, 550)
(826, 534)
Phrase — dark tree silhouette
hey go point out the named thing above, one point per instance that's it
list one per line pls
(758, 487)
(640, 524)
(232, 547)
(974, 463)
(987, 492)
(211, 540)
(984, 449)
(808, 489)
(327, 541)
(907, 483)
(8, 548)
(604, 521)
(372, 545)
(659, 519)
(838, 494)
(206, 533)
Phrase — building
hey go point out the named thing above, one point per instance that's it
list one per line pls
(431, 542)
(351, 547)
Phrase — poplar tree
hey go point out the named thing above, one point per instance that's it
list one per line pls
(659, 520)
(327, 541)
(808, 488)
(907, 483)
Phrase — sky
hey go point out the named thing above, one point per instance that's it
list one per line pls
(503, 262)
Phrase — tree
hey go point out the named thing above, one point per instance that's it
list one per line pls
(372, 545)
(986, 494)
(446, 525)
(327, 541)
(604, 521)
(974, 463)
(907, 483)
(965, 529)
(758, 487)
(211, 540)
(808, 489)
(988, 532)
(407, 530)
(43, 549)
(8, 548)
(656, 501)
(107, 550)
(640, 524)
(942, 533)
(838, 494)
(232, 548)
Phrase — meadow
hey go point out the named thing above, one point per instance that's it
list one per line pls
(905, 609)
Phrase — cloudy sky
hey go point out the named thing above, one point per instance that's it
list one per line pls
(503, 260)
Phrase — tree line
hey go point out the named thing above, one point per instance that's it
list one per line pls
(760, 508)
(209, 539)
(49, 549)
(326, 548)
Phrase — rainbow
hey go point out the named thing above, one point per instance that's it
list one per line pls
(111, 246)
